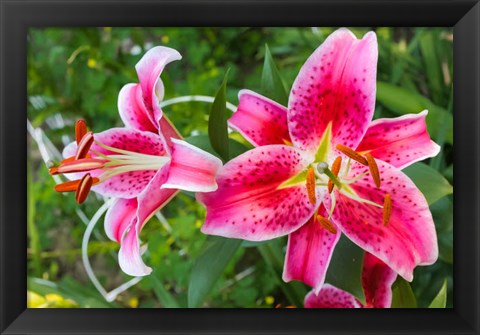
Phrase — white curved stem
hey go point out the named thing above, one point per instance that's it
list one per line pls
(85, 240)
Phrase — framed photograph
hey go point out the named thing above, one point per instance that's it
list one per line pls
(184, 163)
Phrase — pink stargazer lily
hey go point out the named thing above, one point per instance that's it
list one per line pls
(321, 167)
(377, 280)
(143, 166)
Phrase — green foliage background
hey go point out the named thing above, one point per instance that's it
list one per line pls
(78, 73)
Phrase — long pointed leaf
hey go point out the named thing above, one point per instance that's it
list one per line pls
(272, 84)
(440, 300)
(345, 270)
(209, 266)
(217, 122)
(402, 295)
(432, 184)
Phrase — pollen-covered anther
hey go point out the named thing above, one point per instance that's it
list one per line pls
(80, 130)
(53, 170)
(337, 163)
(352, 154)
(310, 183)
(83, 188)
(84, 145)
(325, 223)
(372, 165)
(80, 165)
(72, 186)
(387, 208)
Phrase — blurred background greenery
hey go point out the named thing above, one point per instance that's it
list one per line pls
(77, 73)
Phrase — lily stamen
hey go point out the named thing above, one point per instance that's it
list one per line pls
(83, 189)
(387, 209)
(84, 145)
(310, 183)
(80, 130)
(372, 165)
(72, 186)
(352, 154)
(325, 223)
(355, 179)
(80, 165)
(337, 163)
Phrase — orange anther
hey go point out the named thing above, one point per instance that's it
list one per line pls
(67, 160)
(325, 223)
(81, 165)
(84, 145)
(68, 186)
(83, 188)
(352, 154)
(53, 170)
(337, 163)
(71, 186)
(387, 209)
(80, 130)
(311, 186)
(372, 165)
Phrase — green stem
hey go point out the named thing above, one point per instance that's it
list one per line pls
(332, 177)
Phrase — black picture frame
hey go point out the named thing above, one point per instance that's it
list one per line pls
(16, 16)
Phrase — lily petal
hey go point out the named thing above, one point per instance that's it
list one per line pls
(260, 120)
(154, 197)
(168, 130)
(249, 203)
(331, 297)
(309, 251)
(151, 200)
(132, 109)
(126, 185)
(336, 85)
(399, 141)
(377, 280)
(129, 255)
(149, 69)
(409, 238)
(191, 168)
(118, 218)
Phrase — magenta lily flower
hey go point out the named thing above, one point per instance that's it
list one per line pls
(377, 280)
(322, 168)
(143, 166)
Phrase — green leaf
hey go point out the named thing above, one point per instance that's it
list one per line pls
(402, 101)
(208, 267)
(33, 236)
(217, 122)
(433, 67)
(440, 301)
(272, 84)
(402, 295)
(432, 184)
(442, 212)
(166, 298)
(203, 142)
(273, 255)
(345, 269)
